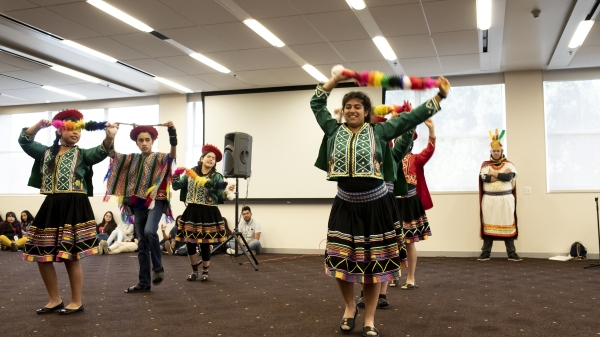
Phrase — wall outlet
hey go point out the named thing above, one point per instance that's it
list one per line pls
(527, 190)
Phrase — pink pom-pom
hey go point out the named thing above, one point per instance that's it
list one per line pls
(58, 124)
(430, 83)
(363, 78)
(337, 70)
(179, 170)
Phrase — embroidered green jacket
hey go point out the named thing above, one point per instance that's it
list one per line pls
(402, 146)
(211, 194)
(366, 153)
(73, 169)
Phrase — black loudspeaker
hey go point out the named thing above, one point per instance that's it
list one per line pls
(238, 155)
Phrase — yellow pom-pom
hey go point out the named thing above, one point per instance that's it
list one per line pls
(381, 110)
(377, 77)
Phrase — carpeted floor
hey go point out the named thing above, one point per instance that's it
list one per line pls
(291, 296)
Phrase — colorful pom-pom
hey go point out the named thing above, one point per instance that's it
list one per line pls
(79, 125)
(337, 70)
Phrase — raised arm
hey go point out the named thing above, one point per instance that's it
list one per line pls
(26, 139)
(318, 104)
(99, 153)
(423, 157)
(402, 145)
(179, 181)
(172, 139)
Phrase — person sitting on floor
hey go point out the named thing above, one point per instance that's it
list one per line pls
(123, 233)
(107, 226)
(26, 221)
(168, 243)
(11, 235)
(123, 247)
(251, 230)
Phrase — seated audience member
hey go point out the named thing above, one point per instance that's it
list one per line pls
(26, 220)
(123, 233)
(107, 226)
(11, 235)
(123, 247)
(168, 243)
(250, 228)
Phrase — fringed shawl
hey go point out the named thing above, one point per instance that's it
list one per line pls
(132, 184)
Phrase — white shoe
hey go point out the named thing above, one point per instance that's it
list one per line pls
(230, 251)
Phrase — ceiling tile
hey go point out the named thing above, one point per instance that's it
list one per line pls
(148, 44)
(8, 101)
(188, 65)
(53, 23)
(400, 20)
(338, 26)
(358, 50)
(412, 46)
(294, 76)
(586, 56)
(53, 2)
(18, 62)
(451, 15)
(223, 81)
(201, 12)
(112, 48)
(92, 18)
(293, 30)
(152, 12)
(456, 43)
(4, 67)
(318, 53)
(382, 66)
(318, 6)
(12, 5)
(236, 35)
(233, 61)
(94, 91)
(192, 83)
(268, 58)
(37, 95)
(156, 67)
(196, 39)
(259, 78)
(460, 64)
(267, 8)
(424, 66)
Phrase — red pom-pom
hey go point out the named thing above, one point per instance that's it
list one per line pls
(417, 83)
(377, 119)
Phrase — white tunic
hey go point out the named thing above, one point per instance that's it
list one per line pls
(499, 210)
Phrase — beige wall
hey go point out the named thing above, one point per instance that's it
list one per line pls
(548, 223)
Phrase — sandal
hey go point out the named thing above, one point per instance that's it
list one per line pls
(369, 331)
(192, 277)
(393, 283)
(408, 286)
(137, 289)
(350, 323)
(205, 277)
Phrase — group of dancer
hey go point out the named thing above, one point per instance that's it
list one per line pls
(378, 214)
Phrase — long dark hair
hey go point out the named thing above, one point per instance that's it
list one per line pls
(30, 217)
(14, 216)
(56, 147)
(111, 224)
(198, 169)
(365, 100)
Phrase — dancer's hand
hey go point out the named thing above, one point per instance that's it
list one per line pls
(44, 123)
(111, 130)
(444, 85)
(429, 123)
(170, 125)
(231, 187)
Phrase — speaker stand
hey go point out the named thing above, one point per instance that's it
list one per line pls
(237, 236)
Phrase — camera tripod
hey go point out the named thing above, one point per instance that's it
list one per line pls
(238, 237)
(598, 221)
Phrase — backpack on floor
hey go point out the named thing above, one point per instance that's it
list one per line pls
(578, 251)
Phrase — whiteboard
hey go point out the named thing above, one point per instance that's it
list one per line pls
(285, 139)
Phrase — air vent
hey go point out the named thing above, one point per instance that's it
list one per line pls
(23, 24)
(159, 35)
(136, 69)
(25, 58)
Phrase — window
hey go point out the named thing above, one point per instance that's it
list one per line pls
(461, 129)
(194, 134)
(17, 165)
(572, 132)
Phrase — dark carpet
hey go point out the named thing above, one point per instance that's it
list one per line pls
(291, 296)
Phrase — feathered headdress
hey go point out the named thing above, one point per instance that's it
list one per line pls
(495, 144)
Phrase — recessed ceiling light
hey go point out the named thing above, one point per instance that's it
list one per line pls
(356, 4)
(581, 33)
(89, 50)
(64, 92)
(484, 14)
(210, 63)
(385, 48)
(264, 32)
(75, 73)
(117, 13)
(314, 73)
(173, 85)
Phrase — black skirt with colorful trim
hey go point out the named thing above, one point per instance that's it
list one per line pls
(64, 229)
(201, 224)
(365, 243)
(414, 219)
